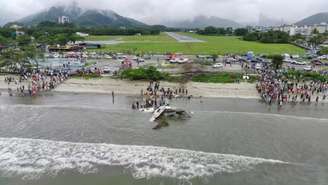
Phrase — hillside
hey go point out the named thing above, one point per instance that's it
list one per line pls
(202, 22)
(314, 19)
(82, 17)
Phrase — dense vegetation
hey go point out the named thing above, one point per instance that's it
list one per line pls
(18, 56)
(323, 51)
(268, 37)
(45, 33)
(241, 31)
(17, 51)
(54, 28)
(150, 73)
(264, 37)
(53, 33)
(277, 61)
(210, 30)
(302, 75)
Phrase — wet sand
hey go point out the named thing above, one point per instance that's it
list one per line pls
(107, 85)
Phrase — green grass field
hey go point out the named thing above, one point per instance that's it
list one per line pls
(162, 38)
(212, 45)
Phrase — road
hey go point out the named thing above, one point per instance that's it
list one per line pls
(182, 38)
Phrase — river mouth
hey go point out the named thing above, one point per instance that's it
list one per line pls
(63, 137)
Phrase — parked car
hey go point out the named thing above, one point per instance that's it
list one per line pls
(258, 66)
(308, 68)
(295, 56)
(147, 57)
(323, 57)
(107, 56)
(218, 65)
(179, 61)
(300, 63)
(140, 60)
(106, 69)
(316, 62)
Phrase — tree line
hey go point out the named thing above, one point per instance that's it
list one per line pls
(265, 37)
(210, 30)
(53, 33)
(55, 28)
(268, 37)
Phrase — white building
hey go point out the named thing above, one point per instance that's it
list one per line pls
(15, 26)
(19, 33)
(303, 30)
(63, 20)
(82, 34)
(322, 28)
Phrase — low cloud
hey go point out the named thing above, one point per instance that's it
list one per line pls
(157, 11)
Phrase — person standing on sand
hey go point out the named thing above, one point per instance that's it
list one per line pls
(137, 104)
(113, 96)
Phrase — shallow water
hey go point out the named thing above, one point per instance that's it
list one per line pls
(86, 139)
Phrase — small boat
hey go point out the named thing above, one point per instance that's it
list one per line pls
(158, 112)
(169, 112)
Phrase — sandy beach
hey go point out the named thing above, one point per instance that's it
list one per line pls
(107, 85)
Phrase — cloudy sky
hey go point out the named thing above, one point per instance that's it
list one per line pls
(157, 11)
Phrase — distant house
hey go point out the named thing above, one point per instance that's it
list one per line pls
(321, 28)
(2, 47)
(82, 34)
(88, 45)
(16, 27)
(19, 33)
(65, 48)
(306, 30)
(63, 20)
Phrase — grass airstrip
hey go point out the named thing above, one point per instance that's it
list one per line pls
(161, 44)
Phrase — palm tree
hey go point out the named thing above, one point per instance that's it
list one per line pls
(317, 40)
(214, 57)
(32, 53)
(12, 57)
(277, 61)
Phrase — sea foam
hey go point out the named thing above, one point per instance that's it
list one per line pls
(32, 158)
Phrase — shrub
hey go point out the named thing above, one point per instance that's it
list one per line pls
(87, 76)
(301, 75)
(150, 73)
(217, 77)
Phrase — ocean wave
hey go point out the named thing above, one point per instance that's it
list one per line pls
(104, 109)
(32, 158)
(268, 115)
(11, 108)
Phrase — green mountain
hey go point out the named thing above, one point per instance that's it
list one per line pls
(77, 15)
(202, 22)
(314, 19)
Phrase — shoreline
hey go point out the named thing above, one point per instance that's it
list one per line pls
(125, 87)
(106, 85)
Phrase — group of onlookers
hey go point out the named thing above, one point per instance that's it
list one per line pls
(274, 88)
(32, 83)
(155, 95)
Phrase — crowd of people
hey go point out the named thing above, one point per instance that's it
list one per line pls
(155, 96)
(274, 88)
(32, 83)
